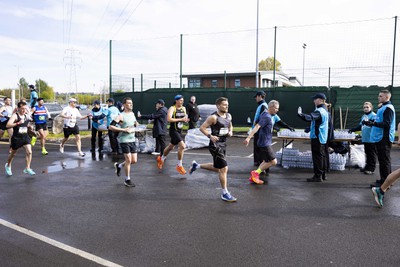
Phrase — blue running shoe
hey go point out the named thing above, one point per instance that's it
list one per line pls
(194, 167)
(8, 170)
(228, 198)
(378, 196)
(29, 171)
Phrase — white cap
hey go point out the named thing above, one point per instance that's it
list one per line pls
(72, 100)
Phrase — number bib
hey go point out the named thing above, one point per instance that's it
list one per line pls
(223, 131)
(23, 130)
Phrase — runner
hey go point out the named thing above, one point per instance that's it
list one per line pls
(70, 115)
(40, 116)
(19, 121)
(264, 127)
(220, 123)
(6, 112)
(176, 116)
(127, 140)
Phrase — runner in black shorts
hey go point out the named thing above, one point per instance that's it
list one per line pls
(20, 123)
(176, 116)
(264, 127)
(220, 123)
(40, 116)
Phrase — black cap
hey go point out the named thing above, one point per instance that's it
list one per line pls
(160, 101)
(260, 93)
(32, 87)
(319, 95)
(110, 100)
(96, 102)
(40, 98)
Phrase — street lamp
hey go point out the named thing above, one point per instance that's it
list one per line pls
(304, 59)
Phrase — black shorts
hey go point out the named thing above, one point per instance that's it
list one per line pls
(218, 154)
(20, 141)
(71, 130)
(267, 154)
(41, 126)
(128, 148)
(3, 125)
(176, 137)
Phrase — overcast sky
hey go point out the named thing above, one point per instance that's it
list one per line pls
(37, 38)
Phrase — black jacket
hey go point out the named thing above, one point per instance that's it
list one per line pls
(193, 111)
(160, 121)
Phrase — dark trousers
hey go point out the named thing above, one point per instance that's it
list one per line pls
(192, 124)
(100, 137)
(383, 150)
(113, 140)
(256, 151)
(327, 162)
(318, 157)
(160, 144)
(370, 156)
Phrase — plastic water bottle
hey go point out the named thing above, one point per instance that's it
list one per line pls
(138, 113)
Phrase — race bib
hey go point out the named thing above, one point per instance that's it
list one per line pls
(180, 125)
(42, 118)
(223, 131)
(23, 130)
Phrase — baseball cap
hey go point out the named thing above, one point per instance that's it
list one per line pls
(177, 97)
(110, 100)
(160, 101)
(260, 93)
(72, 100)
(319, 95)
(40, 98)
(96, 102)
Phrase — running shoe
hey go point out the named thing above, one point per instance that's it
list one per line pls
(160, 162)
(155, 153)
(81, 154)
(61, 148)
(129, 183)
(33, 141)
(255, 177)
(194, 167)
(180, 169)
(117, 168)
(228, 197)
(29, 171)
(44, 151)
(8, 170)
(378, 196)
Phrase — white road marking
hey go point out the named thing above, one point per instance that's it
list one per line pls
(60, 245)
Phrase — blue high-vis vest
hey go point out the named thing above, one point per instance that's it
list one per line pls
(376, 132)
(323, 127)
(258, 113)
(366, 130)
(40, 115)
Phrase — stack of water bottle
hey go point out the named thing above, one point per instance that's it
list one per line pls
(293, 158)
(288, 133)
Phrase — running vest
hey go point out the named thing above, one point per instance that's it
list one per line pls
(7, 112)
(178, 113)
(366, 130)
(22, 129)
(129, 120)
(221, 128)
(322, 130)
(40, 115)
(376, 132)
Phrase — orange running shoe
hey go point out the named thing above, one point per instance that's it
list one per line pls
(180, 169)
(255, 177)
(160, 162)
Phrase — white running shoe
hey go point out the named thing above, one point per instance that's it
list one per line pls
(61, 149)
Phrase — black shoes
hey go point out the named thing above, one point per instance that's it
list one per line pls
(129, 183)
(117, 169)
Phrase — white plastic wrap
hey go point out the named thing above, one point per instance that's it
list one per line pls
(196, 139)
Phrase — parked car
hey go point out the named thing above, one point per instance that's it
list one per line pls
(54, 109)
(82, 107)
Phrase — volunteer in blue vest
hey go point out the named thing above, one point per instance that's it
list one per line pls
(33, 96)
(261, 106)
(111, 113)
(97, 115)
(369, 146)
(319, 119)
(382, 134)
(40, 116)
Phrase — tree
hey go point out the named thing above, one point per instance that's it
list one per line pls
(268, 64)
(44, 90)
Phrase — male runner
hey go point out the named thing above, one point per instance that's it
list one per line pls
(40, 116)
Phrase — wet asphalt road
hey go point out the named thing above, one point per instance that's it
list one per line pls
(174, 220)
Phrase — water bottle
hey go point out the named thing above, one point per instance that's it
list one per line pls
(138, 113)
